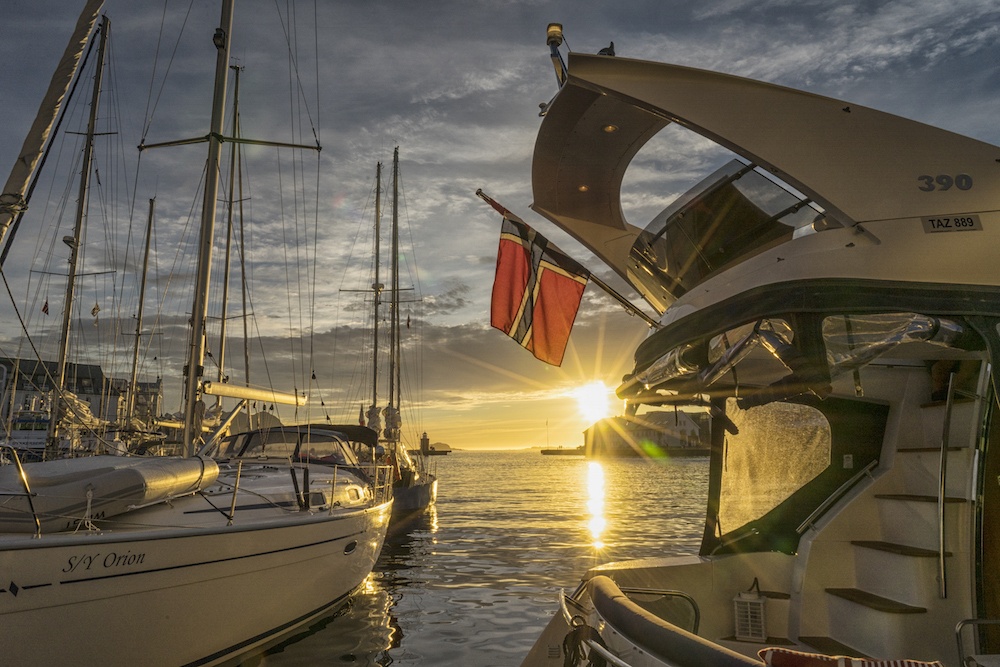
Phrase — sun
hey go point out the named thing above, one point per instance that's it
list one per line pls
(593, 400)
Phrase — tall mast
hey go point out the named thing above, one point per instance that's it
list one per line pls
(376, 285)
(395, 390)
(199, 310)
(74, 241)
(133, 383)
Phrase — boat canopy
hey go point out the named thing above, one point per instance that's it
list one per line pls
(853, 164)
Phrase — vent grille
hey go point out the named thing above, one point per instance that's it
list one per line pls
(749, 611)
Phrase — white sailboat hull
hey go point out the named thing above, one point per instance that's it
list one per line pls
(189, 599)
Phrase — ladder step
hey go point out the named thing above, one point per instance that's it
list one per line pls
(922, 450)
(917, 498)
(876, 602)
(830, 646)
(900, 549)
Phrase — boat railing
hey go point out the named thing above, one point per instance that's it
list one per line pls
(953, 393)
(971, 658)
(24, 483)
(655, 636)
(942, 573)
(379, 480)
(841, 491)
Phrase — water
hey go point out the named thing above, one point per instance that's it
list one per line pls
(474, 581)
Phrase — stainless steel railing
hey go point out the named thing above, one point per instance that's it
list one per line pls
(27, 489)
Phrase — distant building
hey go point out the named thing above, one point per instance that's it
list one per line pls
(27, 383)
(654, 434)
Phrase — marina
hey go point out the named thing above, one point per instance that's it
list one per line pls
(289, 414)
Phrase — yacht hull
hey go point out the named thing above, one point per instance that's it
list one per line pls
(190, 597)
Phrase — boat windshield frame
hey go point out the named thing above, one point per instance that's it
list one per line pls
(736, 212)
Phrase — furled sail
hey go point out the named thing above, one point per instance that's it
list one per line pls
(12, 197)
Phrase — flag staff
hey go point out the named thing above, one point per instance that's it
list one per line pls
(629, 307)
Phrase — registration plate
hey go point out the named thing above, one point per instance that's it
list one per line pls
(952, 223)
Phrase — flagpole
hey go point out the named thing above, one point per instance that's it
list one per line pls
(630, 308)
(626, 304)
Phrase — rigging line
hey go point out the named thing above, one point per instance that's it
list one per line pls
(151, 110)
(27, 336)
(165, 293)
(415, 277)
(315, 284)
(295, 69)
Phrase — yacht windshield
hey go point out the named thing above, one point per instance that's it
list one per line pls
(732, 214)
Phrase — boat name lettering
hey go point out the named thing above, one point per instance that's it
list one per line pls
(943, 182)
(112, 559)
(952, 223)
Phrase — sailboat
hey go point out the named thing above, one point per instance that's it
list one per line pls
(124, 561)
(415, 484)
(66, 421)
(829, 298)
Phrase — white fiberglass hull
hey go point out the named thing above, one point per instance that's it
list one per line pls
(179, 597)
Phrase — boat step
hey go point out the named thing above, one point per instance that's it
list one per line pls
(937, 404)
(900, 549)
(924, 450)
(831, 646)
(917, 498)
(875, 602)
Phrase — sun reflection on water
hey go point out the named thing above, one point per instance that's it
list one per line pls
(595, 503)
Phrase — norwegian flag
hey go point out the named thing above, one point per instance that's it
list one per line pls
(537, 289)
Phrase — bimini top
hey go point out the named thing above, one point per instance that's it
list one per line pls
(849, 165)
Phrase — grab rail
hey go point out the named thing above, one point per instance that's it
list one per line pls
(606, 654)
(942, 573)
(670, 593)
(834, 497)
(27, 489)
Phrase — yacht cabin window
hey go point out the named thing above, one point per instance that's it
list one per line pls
(733, 214)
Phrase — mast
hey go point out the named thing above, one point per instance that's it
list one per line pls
(74, 241)
(395, 388)
(199, 310)
(12, 197)
(376, 285)
(133, 383)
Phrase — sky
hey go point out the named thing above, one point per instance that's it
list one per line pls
(457, 87)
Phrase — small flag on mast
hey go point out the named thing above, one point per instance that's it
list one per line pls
(361, 415)
(537, 290)
(45, 307)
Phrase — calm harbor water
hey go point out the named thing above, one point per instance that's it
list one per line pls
(474, 581)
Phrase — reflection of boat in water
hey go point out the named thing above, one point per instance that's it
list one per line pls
(847, 513)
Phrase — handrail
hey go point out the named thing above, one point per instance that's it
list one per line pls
(236, 488)
(669, 593)
(27, 489)
(834, 497)
(942, 574)
(974, 622)
(591, 644)
(606, 654)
